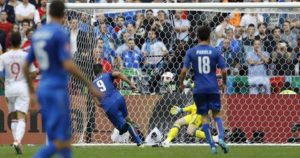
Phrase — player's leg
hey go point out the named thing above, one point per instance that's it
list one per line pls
(57, 123)
(202, 109)
(21, 105)
(216, 107)
(193, 128)
(129, 125)
(173, 132)
(13, 116)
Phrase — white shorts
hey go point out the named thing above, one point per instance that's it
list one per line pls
(20, 103)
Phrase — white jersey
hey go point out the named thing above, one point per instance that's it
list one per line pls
(12, 63)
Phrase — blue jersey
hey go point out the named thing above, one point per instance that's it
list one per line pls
(205, 60)
(50, 46)
(105, 83)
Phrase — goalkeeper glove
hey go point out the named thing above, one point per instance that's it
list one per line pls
(175, 110)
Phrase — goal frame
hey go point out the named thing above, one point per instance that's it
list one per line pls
(181, 6)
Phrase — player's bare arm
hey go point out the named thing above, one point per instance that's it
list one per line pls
(118, 74)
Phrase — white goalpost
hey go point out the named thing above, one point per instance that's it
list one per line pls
(263, 119)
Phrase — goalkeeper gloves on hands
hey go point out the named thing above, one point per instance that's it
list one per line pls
(175, 110)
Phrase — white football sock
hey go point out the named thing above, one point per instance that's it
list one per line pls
(20, 130)
(13, 126)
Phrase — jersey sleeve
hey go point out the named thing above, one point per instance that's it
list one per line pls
(187, 60)
(64, 47)
(31, 56)
(189, 108)
(221, 61)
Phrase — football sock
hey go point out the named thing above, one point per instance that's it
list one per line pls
(172, 133)
(20, 130)
(46, 151)
(206, 130)
(220, 127)
(13, 126)
(134, 134)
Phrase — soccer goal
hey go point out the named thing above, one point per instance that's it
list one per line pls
(255, 109)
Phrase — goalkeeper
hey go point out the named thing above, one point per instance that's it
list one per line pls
(193, 120)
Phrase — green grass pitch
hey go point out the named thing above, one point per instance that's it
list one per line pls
(172, 152)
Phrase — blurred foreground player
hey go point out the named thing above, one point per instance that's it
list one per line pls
(50, 46)
(113, 103)
(16, 90)
(205, 59)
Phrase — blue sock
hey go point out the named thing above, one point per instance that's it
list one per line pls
(220, 128)
(134, 134)
(66, 153)
(206, 130)
(46, 151)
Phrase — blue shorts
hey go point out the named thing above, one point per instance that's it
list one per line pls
(117, 113)
(206, 102)
(55, 112)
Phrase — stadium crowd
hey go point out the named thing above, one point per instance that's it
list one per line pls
(262, 50)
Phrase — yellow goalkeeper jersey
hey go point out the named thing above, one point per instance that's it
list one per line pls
(192, 109)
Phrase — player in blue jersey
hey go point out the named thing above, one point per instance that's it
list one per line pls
(50, 46)
(205, 59)
(113, 103)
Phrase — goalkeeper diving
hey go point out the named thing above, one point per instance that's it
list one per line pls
(192, 119)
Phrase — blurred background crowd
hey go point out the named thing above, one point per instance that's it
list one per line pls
(261, 49)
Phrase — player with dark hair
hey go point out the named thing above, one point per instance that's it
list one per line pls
(113, 103)
(16, 90)
(205, 59)
(51, 47)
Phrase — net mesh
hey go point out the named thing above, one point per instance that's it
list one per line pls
(149, 46)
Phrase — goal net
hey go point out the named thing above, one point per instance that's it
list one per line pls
(147, 42)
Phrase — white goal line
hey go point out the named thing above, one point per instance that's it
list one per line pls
(183, 144)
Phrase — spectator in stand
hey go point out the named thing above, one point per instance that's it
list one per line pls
(264, 37)
(248, 40)
(14, 3)
(106, 53)
(2, 41)
(132, 58)
(238, 34)
(105, 56)
(288, 35)
(251, 18)
(27, 44)
(25, 11)
(234, 44)
(140, 30)
(125, 46)
(282, 60)
(149, 20)
(106, 36)
(15, 29)
(73, 35)
(228, 53)
(257, 71)
(220, 29)
(276, 38)
(130, 28)
(181, 27)
(25, 26)
(119, 28)
(9, 10)
(5, 25)
(101, 19)
(297, 65)
(153, 51)
(84, 22)
(164, 29)
(42, 11)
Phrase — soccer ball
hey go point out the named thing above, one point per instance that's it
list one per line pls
(167, 77)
